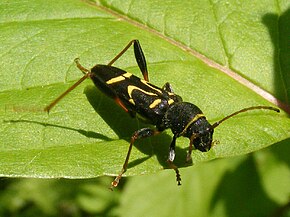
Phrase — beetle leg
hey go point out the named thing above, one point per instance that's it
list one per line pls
(121, 53)
(139, 134)
(139, 56)
(87, 74)
(170, 160)
(119, 102)
(192, 138)
(188, 155)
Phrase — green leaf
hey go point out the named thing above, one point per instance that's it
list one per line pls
(252, 185)
(86, 134)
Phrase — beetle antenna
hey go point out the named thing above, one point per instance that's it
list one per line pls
(243, 110)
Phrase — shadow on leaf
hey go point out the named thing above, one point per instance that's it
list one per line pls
(89, 134)
(279, 30)
(241, 190)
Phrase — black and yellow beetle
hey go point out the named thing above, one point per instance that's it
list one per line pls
(158, 106)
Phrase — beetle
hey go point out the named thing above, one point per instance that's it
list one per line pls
(160, 107)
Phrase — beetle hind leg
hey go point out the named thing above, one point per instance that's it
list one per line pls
(139, 56)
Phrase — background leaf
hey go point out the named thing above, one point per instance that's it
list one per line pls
(249, 185)
(86, 129)
(251, 38)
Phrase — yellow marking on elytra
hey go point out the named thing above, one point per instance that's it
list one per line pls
(115, 80)
(132, 101)
(127, 75)
(195, 118)
(130, 89)
(170, 101)
(119, 78)
(146, 83)
(155, 103)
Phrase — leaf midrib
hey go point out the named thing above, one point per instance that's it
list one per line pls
(242, 80)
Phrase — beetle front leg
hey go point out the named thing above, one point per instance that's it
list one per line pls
(170, 160)
(139, 134)
(188, 156)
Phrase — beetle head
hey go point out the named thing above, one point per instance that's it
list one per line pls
(202, 139)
